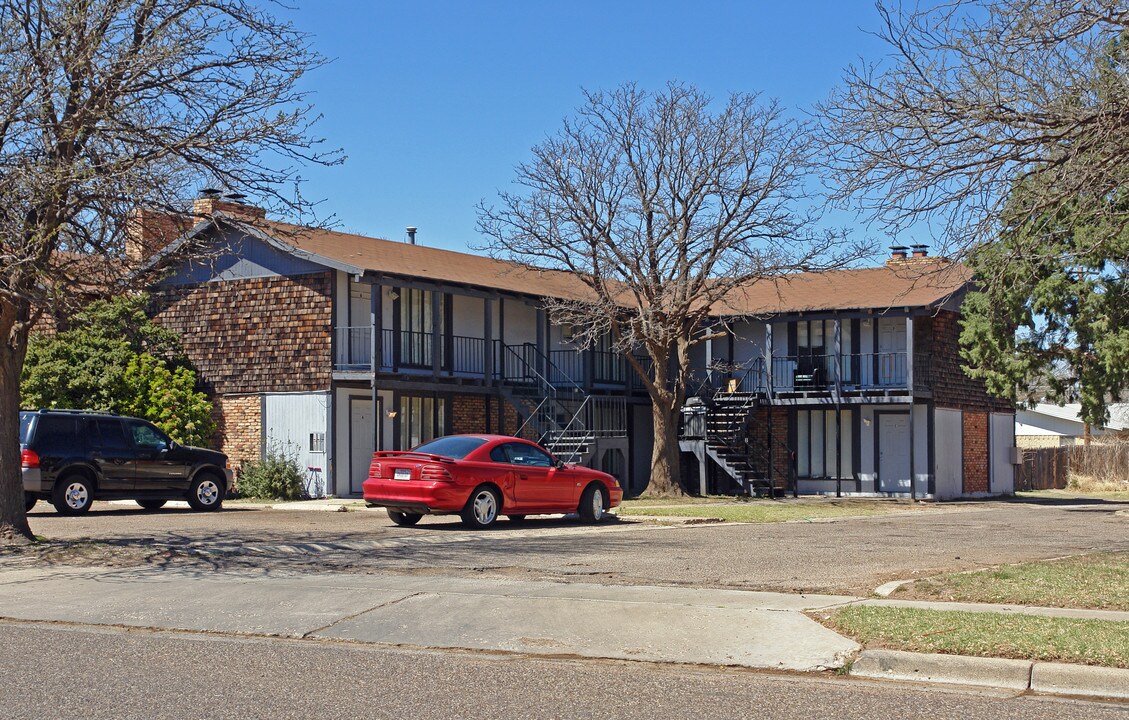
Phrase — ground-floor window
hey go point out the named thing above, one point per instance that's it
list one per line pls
(824, 444)
(422, 418)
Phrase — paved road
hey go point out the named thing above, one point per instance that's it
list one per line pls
(846, 556)
(57, 672)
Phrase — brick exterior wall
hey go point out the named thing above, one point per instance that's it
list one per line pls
(239, 423)
(781, 453)
(937, 340)
(975, 436)
(257, 335)
(468, 414)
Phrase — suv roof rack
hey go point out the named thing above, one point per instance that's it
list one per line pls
(78, 412)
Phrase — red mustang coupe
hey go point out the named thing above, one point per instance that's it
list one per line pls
(484, 476)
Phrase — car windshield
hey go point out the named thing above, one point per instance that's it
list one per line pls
(25, 425)
(455, 447)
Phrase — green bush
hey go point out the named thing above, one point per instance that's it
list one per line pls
(111, 356)
(278, 476)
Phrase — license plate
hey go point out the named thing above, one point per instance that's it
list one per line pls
(402, 474)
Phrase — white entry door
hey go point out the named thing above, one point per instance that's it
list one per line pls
(893, 453)
(360, 442)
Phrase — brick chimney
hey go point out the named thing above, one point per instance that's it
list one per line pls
(149, 230)
(897, 255)
(211, 201)
(900, 255)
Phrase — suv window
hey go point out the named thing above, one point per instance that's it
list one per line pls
(108, 434)
(25, 425)
(147, 436)
(55, 433)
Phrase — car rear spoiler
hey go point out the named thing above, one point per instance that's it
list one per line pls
(409, 453)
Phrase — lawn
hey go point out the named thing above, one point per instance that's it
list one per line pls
(1087, 642)
(752, 510)
(1098, 581)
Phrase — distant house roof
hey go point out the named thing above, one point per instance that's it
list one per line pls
(1065, 420)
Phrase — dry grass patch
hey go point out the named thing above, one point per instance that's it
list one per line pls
(1099, 581)
(1025, 637)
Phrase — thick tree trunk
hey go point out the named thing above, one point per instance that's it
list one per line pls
(13, 348)
(665, 475)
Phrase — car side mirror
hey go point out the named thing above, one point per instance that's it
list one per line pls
(558, 464)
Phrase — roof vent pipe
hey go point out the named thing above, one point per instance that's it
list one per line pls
(411, 235)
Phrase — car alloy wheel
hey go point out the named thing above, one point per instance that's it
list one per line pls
(598, 505)
(482, 508)
(592, 504)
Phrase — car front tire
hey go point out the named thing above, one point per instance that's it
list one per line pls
(404, 519)
(73, 495)
(593, 504)
(206, 493)
(482, 508)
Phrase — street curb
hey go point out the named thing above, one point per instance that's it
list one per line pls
(954, 669)
(1021, 675)
(1064, 679)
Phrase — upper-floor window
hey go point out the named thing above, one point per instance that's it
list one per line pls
(418, 321)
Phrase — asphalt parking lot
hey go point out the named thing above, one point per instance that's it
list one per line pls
(852, 555)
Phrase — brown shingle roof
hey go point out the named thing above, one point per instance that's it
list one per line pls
(405, 259)
(912, 283)
(909, 284)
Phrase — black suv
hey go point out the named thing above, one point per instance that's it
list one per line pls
(72, 457)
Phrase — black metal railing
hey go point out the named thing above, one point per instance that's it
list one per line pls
(468, 355)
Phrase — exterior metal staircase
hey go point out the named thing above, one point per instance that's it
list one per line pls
(728, 405)
(562, 416)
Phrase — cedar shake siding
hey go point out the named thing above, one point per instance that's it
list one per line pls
(938, 339)
(257, 335)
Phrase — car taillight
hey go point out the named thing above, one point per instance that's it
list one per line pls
(29, 459)
(435, 473)
(374, 469)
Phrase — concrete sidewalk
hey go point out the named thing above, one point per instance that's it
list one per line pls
(659, 624)
(648, 623)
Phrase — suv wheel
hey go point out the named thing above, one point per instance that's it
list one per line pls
(206, 492)
(29, 502)
(73, 495)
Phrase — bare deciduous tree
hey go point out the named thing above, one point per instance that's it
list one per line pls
(974, 97)
(662, 205)
(112, 105)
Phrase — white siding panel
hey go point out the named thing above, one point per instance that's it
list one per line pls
(296, 424)
(948, 450)
(1002, 442)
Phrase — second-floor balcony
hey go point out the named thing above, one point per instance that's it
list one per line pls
(422, 353)
(813, 375)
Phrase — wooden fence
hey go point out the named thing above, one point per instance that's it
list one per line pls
(1050, 468)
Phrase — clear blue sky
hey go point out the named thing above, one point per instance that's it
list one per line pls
(435, 102)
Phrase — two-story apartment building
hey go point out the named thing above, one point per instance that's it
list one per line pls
(328, 345)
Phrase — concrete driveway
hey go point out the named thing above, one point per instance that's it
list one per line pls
(852, 555)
